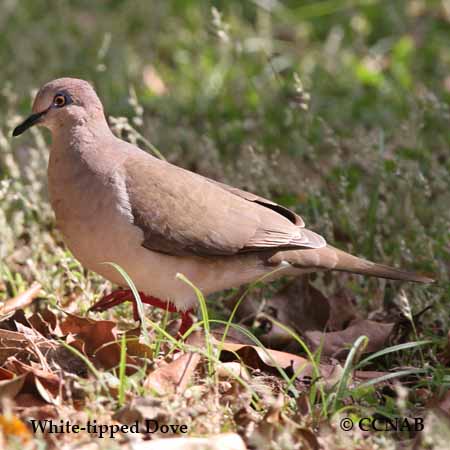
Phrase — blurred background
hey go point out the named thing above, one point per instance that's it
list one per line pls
(336, 108)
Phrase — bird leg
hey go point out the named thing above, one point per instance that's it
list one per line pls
(186, 322)
(122, 295)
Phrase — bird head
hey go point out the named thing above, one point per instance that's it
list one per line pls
(61, 103)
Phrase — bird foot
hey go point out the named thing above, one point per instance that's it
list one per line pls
(122, 295)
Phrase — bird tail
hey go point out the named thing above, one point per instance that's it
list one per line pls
(330, 258)
(354, 264)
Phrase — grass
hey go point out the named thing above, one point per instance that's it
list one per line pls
(338, 109)
(122, 368)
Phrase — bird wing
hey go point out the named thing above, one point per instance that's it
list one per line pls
(182, 213)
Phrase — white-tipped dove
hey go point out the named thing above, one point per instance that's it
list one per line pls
(115, 202)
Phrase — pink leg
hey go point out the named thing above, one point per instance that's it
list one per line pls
(122, 295)
(115, 298)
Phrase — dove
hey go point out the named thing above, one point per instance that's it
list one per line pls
(114, 202)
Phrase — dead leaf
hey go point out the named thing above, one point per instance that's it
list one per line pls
(276, 427)
(45, 388)
(332, 322)
(313, 311)
(94, 333)
(46, 384)
(135, 345)
(140, 409)
(67, 361)
(175, 376)
(9, 323)
(271, 360)
(311, 306)
(14, 336)
(13, 343)
(20, 301)
(28, 400)
(46, 323)
(233, 335)
(232, 370)
(342, 310)
(9, 388)
(98, 337)
(338, 343)
(441, 405)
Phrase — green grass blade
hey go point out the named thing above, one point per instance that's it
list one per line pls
(122, 367)
(205, 319)
(394, 348)
(358, 345)
(238, 303)
(390, 376)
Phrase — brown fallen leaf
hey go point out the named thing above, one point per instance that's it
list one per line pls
(7, 336)
(232, 370)
(9, 321)
(441, 405)
(332, 322)
(9, 347)
(20, 301)
(136, 346)
(9, 388)
(141, 409)
(32, 401)
(94, 333)
(342, 310)
(311, 306)
(69, 362)
(46, 323)
(99, 338)
(46, 384)
(233, 335)
(174, 376)
(259, 358)
(276, 427)
(26, 346)
(313, 311)
(270, 360)
(338, 343)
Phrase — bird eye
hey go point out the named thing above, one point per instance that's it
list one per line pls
(59, 100)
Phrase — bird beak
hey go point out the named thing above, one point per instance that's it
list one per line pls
(27, 123)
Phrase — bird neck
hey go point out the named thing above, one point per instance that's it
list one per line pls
(79, 136)
(84, 146)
